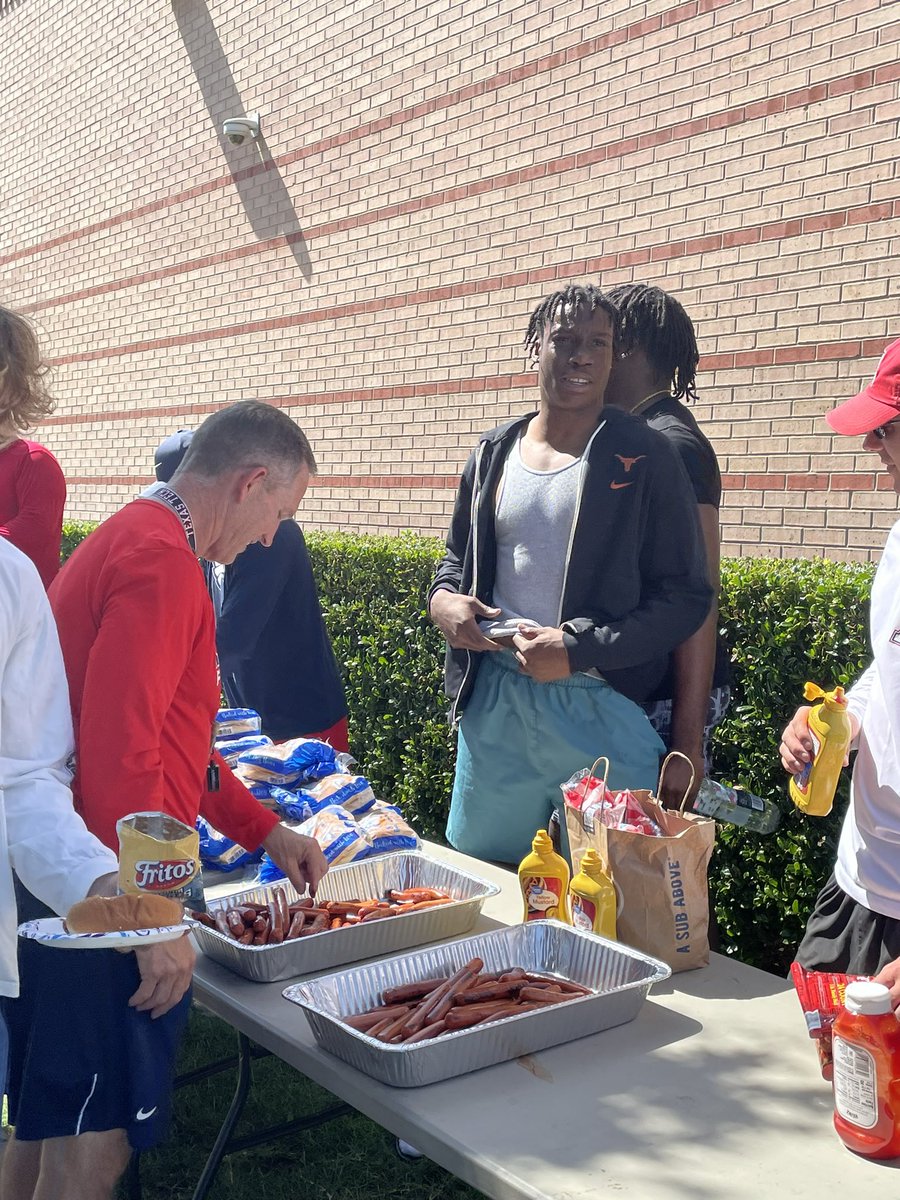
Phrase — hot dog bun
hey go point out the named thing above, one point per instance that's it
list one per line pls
(110, 914)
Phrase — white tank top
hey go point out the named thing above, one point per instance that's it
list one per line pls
(533, 520)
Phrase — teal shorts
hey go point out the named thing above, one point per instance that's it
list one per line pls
(519, 740)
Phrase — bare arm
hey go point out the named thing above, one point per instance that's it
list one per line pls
(694, 663)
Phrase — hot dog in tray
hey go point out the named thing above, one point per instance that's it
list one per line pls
(417, 1012)
(278, 921)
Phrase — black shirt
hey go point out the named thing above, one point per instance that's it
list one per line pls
(676, 422)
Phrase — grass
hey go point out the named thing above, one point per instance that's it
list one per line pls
(351, 1158)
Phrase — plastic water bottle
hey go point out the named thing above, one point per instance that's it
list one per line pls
(736, 806)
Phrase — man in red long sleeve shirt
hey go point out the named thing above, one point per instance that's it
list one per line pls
(138, 636)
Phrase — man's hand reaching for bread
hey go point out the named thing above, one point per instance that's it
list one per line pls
(166, 969)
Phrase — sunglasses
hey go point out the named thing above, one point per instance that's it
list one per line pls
(881, 431)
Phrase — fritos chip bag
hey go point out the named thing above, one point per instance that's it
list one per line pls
(160, 854)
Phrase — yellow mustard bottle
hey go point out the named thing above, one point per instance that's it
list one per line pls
(592, 897)
(813, 788)
(544, 880)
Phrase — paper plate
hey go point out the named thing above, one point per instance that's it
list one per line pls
(52, 932)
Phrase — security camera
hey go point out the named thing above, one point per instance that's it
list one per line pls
(238, 129)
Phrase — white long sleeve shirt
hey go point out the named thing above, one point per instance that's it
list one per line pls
(41, 835)
(868, 861)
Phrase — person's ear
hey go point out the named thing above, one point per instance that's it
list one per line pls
(248, 482)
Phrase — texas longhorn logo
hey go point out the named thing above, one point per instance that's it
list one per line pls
(627, 463)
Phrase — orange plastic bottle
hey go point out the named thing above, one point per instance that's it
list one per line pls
(866, 1045)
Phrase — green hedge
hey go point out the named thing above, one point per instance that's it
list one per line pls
(785, 620)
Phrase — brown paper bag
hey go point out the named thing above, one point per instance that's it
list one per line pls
(661, 881)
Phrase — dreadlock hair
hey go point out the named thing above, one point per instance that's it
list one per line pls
(576, 299)
(656, 323)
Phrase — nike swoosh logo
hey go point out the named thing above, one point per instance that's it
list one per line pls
(615, 486)
(140, 1115)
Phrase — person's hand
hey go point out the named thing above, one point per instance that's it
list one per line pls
(676, 780)
(300, 857)
(166, 969)
(890, 977)
(455, 616)
(796, 747)
(541, 653)
(106, 885)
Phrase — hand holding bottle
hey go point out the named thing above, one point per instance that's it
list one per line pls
(796, 747)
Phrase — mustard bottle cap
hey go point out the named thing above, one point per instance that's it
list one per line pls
(541, 843)
(832, 699)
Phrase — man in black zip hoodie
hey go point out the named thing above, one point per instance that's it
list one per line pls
(574, 566)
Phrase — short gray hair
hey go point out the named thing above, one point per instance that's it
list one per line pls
(245, 435)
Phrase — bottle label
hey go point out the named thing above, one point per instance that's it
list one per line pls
(542, 897)
(748, 800)
(584, 913)
(855, 1084)
(801, 779)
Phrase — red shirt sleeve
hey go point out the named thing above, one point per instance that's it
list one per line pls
(36, 529)
(234, 812)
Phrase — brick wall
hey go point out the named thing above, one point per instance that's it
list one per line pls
(427, 173)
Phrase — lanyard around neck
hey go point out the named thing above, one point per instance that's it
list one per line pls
(163, 494)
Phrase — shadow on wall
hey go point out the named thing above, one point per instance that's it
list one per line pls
(260, 187)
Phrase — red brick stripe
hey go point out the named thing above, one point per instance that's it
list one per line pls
(443, 387)
(780, 356)
(833, 482)
(830, 482)
(538, 66)
(798, 98)
(682, 130)
(340, 482)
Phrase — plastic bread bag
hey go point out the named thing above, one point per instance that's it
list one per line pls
(291, 806)
(352, 792)
(236, 722)
(232, 748)
(340, 837)
(288, 762)
(386, 829)
(220, 853)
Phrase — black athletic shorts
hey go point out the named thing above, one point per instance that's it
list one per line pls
(81, 1060)
(846, 937)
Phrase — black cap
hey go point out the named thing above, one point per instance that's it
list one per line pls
(169, 454)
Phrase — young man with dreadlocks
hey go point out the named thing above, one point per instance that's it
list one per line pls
(654, 368)
(574, 527)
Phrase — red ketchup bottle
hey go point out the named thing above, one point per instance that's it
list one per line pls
(866, 1045)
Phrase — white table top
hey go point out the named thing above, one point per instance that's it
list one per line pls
(712, 1092)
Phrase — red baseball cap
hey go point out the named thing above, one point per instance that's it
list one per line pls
(876, 404)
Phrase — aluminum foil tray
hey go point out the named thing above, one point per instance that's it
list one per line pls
(333, 948)
(618, 976)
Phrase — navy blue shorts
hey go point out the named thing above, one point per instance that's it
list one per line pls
(81, 1060)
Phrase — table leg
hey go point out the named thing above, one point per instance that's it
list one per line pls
(219, 1150)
